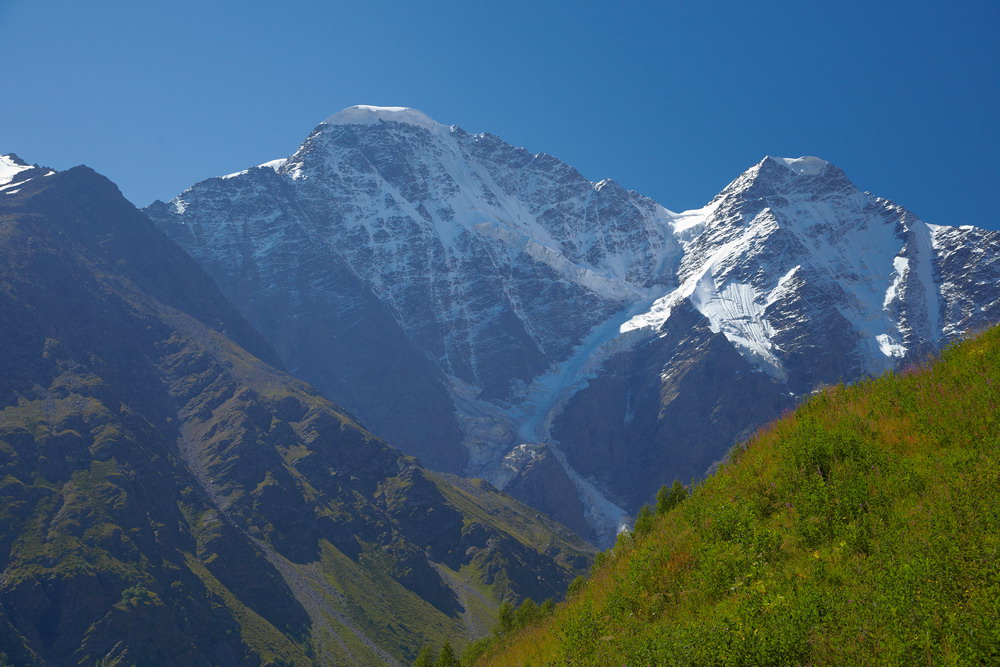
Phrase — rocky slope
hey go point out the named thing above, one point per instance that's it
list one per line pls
(167, 497)
(525, 305)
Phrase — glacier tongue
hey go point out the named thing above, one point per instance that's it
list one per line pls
(512, 289)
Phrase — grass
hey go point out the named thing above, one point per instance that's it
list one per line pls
(381, 607)
(268, 642)
(862, 528)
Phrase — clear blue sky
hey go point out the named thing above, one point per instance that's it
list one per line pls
(671, 99)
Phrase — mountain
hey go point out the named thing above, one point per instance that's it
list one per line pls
(791, 279)
(859, 529)
(496, 314)
(170, 496)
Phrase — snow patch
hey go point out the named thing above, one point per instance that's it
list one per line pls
(900, 266)
(737, 310)
(11, 166)
(273, 164)
(890, 347)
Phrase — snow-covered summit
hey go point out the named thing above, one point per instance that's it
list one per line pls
(806, 165)
(14, 171)
(364, 114)
(11, 166)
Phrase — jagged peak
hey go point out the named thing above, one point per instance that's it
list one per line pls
(13, 158)
(805, 175)
(12, 168)
(364, 114)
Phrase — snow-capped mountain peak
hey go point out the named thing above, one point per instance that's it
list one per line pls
(11, 166)
(503, 283)
(365, 114)
(14, 171)
(806, 165)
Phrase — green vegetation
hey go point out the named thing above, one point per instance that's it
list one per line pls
(447, 657)
(136, 596)
(166, 498)
(425, 658)
(864, 528)
(510, 619)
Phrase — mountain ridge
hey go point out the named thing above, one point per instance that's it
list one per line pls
(513, 280)
(170, 498)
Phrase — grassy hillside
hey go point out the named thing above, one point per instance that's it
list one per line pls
(862, 528)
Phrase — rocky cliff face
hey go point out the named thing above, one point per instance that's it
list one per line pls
(167, 497)
(533, 307)
(791, 279)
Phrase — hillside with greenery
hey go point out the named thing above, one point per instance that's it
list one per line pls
(167, 497)
(862, 528)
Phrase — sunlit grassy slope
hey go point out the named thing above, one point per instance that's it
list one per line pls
(863, 528)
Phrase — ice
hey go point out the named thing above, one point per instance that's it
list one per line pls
(364, 114)
(806, 165)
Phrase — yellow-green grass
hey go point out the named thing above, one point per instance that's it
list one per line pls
(863, 528)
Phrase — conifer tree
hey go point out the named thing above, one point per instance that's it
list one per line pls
(526, 613)
(425, 658)
(447, 657)
(505, 617)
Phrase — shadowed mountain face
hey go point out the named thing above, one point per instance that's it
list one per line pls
(494, 312)
(168, 497)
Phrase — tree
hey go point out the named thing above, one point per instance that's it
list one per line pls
(526, 613)
(447, 657)
(425, 658)
(643, 522)
(667, 499)
(505, 617)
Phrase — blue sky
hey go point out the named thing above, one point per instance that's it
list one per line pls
(671, 99)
